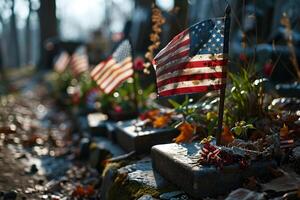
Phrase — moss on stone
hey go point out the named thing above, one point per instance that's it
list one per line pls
(123, 189)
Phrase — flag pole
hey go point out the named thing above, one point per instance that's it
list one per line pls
(223, 89)
(220, 116)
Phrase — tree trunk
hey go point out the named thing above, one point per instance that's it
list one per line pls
(14, 40)
(48, 27)
(28, 35)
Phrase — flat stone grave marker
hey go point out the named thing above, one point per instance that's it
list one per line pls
(138, 179)
(140, 140)
(95, 123)
(178, 164)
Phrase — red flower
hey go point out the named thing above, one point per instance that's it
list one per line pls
(243, 57)
(118, 109)
(268, 68)
(76, 98)
(138, 64)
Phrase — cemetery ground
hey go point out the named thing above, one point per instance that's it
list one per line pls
(49, 151)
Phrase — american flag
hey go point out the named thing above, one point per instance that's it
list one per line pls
(194, 60)
(112, 72)
(79, 62)
(61, 62)
(286, 143)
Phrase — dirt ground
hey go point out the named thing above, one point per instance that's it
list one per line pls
(14, 177)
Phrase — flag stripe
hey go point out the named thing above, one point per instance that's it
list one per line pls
(116, 66)
(190, 71)
(177, 39)
(193, 83)
(122, 68)
(103, 68)
(79, 63)
(194, 64)
(173, 53)
(188, 90)
(173, 58)
(119, 80)
(106, 70)
(191, 77)
(96, 70)
(172, 49)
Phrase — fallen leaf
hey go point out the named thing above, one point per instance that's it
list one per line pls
(226, 137)
(161, 121)
(186, 132)
(151, 114)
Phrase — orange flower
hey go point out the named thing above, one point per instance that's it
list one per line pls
(226, 137)
(161, 121)
(284, 131)
(186, 132)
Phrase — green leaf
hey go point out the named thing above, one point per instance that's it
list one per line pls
(174, 104)
(237, 130)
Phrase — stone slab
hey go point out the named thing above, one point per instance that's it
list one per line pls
(96, 124)
(141, 141)
(138, 179)
(178, 164)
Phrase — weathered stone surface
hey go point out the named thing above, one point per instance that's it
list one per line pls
(134, 181)
(171, 195)
(287, 182)
(178, 164)
(146, 197)
(244, 194)
(143, 173)
(141, 140)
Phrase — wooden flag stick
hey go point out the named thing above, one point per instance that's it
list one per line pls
(220, 115)
(222, 91)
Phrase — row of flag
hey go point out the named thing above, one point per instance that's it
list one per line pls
(108, 74)
(194, 61)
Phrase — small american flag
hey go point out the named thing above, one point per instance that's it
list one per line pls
(194, 60)
(79, 62)
(61, 62)
(112, 72)
(286, 143)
